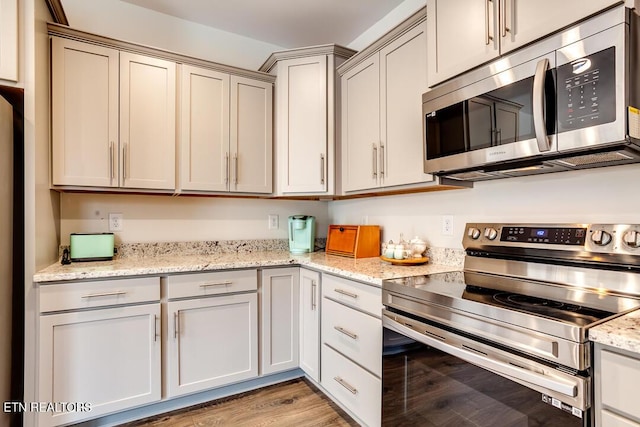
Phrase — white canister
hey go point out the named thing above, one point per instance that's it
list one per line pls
(389, 250)
(399, 252)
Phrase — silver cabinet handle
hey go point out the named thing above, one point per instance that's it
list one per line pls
(346, 385)
(106, 294)
(156, 334)
(375, 161)
(544, 143)
(110, 162)
(504, 29)
(175, 325)
(125, 147)
(346, 332)
(235, 170)
(322, 169)
(226, 166)
(381, 161)
(313, 294)
(488, 38)
(206, 285)
(349, 294)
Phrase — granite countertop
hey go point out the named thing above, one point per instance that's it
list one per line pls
(622, 332)
(369, 270)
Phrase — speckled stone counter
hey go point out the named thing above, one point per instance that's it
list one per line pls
(369, 270)
(622, 332)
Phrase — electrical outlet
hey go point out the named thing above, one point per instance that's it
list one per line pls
(116, 221)
(447, 225)
(273, 222)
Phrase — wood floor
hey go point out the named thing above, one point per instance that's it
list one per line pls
(292, 403)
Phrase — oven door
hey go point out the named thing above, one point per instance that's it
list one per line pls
(434, 377)
(508, 116)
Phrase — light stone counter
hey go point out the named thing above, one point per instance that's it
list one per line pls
(369, 270)
(622, 332)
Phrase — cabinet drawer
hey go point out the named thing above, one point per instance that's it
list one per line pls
(203, 284)
(363, 297)
(69, 296)
(352, 386)
(620, 375)
(354, 334)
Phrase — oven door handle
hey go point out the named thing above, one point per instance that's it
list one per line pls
(501, 368)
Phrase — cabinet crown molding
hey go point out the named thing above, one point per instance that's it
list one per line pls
(63, 31)
(418, 17)
(325, 49)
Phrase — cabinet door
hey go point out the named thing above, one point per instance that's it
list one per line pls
(403, 80)
(84, 114)
(9, 40)
(204, 162)
(302, 124)
(461, 34)
(109, 358)
(211, 342)
(280, 298)
(147, 122)
(251, 148)
(361, 125)
(310, 323)
(527, 21)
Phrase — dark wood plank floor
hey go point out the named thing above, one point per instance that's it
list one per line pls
(292, 403)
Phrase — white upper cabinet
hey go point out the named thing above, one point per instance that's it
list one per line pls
(463, 34)
(147, 122)
(381, 115)
(205, 129)
(9, 40)
(84, 114)
(305, 119)
(251, 136)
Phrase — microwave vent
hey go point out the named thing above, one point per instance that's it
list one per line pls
(471, 176)
(597, 159)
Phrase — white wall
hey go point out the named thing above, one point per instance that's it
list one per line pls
(606, 195)
(184, 218)
(125, 21)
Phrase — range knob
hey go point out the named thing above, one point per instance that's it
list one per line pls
(600, 237)
(632, 238)
(473, 233)
(490, 233)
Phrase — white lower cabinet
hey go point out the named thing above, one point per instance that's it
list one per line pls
(102, 359)
(212, 337)
(280, 299)
(617, 375)
(310, 323)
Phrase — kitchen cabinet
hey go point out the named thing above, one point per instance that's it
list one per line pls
(463, 34)
(305, 134)
(210, 159)
(617, 375)
(212, 328)
(381, 110)
(351, 351)
(98, 141)
(310, 323)
(9, 40)
(280, 299)
(99, 343)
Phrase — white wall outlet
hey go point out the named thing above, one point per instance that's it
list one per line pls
(274, 222)
(447, 225)
(116, 221)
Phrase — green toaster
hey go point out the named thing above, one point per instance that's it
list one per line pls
(91, 247)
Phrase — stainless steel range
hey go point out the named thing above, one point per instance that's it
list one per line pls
(505, 342)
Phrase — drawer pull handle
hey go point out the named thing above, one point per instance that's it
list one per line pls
(106, 294)
(346, 385)
(349, 294)
(175, 325)
(313, 295)
(347, 333)
(206, 285)
(156, 335)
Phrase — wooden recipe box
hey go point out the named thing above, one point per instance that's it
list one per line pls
(355, 241)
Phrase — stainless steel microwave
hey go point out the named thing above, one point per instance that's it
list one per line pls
(566, 102)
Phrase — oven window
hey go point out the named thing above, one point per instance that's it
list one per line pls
(423, 386)
(499, 117)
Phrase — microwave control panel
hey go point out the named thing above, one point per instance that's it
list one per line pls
(586, 91)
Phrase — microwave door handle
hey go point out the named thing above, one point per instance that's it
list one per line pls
(544, 144)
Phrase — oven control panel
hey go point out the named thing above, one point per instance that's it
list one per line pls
(601, 238)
